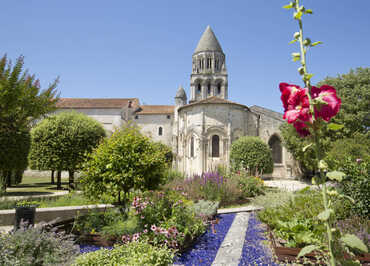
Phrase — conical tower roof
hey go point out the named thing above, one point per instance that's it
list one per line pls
(180, 93)
(208, 42)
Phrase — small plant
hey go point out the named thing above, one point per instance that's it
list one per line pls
(135, 253)
(26, 203)
(206, 208)
(36, 246)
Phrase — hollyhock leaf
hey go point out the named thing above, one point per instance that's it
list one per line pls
(336, 175)
(323, 165)
(292, 41)
(306, 250)
(307, 76)
(354, 242)
(308, 11)
(306, 147)
(316, 43)
(289, 6)
(334, 126)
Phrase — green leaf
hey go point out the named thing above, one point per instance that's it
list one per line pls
(306, 250)
(307, 76)
(292, 41)
(288, 6)
(323, 165)
(316, 43)
(354, 242)
(324, 215)
(298, 15)
(336, 175)
(334, 126)
(308, 11)
(306, 147)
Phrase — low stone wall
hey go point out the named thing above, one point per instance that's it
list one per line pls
(7, 217)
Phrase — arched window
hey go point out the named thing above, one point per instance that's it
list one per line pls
(219, 88)
(276, 149)
(209, 88)
(192, 147)
(199, 88)
(215, 146)
(160, 131)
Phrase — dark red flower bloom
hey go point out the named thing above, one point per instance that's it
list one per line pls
(328, 103)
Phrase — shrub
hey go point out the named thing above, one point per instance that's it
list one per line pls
(356, 147)
(272, 199)
(206, 208)
(125, 161)
(357, 185)
(36, 246)
(252, 154)
(166, 218)
(250, 186)
(61, 142)
(133, 253)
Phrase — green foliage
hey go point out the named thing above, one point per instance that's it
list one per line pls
(355, 147)
(21, 103)
(354, 90)
(295, 220)
(206, 208)
(167, 152)
(134, 253)
(253, 154)
(60, 142)
(272, 199)
(127, 160)
(36, 246)
(357, 185)
(250, 186)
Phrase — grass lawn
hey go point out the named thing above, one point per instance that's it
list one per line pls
(32, 185)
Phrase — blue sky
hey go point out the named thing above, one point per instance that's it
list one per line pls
(143, 49)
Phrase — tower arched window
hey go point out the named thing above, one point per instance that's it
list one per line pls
(160, 131)
(209, 88)
(276, 149)
(215, 146)
(192, 147)
(199, 88)
(219, 88)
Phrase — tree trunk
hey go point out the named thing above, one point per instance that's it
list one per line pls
(52, 177)
(2, 183)
(71, 181)
(8, 178)
(59, 180)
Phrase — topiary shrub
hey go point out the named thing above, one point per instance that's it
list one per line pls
(252, 154)
(62, 141)
(125, 161)
(133, 253)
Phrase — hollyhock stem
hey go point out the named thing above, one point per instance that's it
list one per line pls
(318, 151)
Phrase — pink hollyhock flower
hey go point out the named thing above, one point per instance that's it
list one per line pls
(287, 90)
(298, 106)
(329, 103)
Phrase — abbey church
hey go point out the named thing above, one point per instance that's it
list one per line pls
(200, 129)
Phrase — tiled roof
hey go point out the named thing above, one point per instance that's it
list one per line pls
(155, 109)
(267, 112)
(97, 103)
(214, 100)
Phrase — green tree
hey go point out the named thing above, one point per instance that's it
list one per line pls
(62, 141)
(253, 154)
(125, 161)
(21, 103)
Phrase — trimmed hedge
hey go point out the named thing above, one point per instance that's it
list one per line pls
(252, 154)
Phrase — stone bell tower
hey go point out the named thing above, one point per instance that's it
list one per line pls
(209, 74)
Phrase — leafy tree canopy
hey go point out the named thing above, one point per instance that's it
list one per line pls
(62, 141)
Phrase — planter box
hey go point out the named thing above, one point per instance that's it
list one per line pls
(285, 254)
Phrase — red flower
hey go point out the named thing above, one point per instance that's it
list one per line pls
(328, 102)
(296, 103)
(301, 128)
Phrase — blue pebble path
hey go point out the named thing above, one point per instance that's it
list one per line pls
(211, 245)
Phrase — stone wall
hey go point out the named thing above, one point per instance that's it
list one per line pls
(150, 123)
